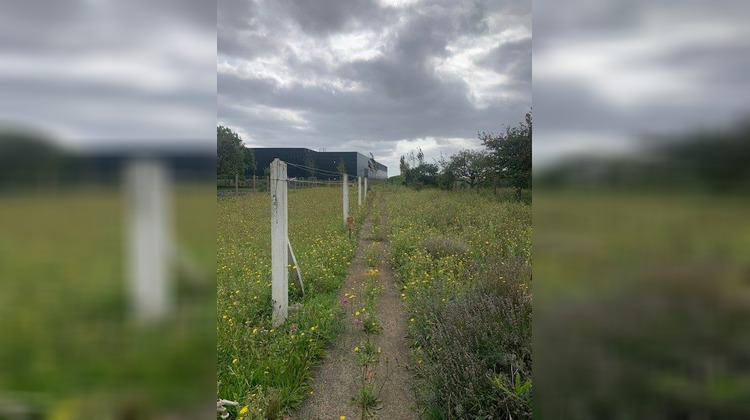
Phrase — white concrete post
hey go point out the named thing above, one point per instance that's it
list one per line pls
(279, 235)
(359, 190)
(148, 212)
(365, 189)
(345, 186)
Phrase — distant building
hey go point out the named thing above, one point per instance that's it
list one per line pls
(321, 165)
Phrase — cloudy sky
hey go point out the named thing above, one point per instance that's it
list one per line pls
(606, 73)
(96, 73)
(380, 76)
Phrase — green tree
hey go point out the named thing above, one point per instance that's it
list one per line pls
(470, 166)
(510, 154)
(231, 158)
(249, 158)
(372, 167)
(341, 167)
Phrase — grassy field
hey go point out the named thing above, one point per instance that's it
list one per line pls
(268, 369)
(643, 305)
(65, 338)
(465, 263)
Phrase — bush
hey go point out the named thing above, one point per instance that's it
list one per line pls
(659, 348)
(476, 346)
(440, 247)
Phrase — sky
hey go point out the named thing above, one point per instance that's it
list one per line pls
(100, 73)
(373, 76)
(608, 74)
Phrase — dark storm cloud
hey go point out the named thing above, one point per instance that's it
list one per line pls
(369, 74)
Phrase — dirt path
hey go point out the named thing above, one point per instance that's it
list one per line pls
(337, 379)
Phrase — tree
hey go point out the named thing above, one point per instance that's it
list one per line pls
(341, 167)
(510, 154)
(416, 172)
(471, 166)
(231, 159)
(250, 164)
(372, 167)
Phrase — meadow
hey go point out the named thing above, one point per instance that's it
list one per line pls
(67, 345)
(643, 305)
(268, 370)
(464, 260)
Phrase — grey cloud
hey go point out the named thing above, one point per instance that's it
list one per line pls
(512, 59)
(324, 17)
(399, 95)
(56, 55)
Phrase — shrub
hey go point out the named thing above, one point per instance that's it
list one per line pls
(440, 247)
(657, 348)
(477, 341)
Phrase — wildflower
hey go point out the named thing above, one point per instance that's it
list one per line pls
(342, 418)
(357, 322)
(255, 331)
(244, 410)
(356, 349)
(419, 362)
(379, 350)
(312, 329)
(411, 320)
(234, 362)
(294, 327)
(344, 301)
(356, 313)
(293, 336)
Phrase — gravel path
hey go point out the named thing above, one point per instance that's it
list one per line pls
(337, 379)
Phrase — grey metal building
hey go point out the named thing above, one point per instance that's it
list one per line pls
(321, 165)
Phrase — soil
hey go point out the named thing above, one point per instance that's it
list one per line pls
(338, 378)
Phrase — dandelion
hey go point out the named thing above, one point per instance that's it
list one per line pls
(356, 313)
(342, 418)
(255, 331)
(244, 410)
(356, 349)
(234, 362)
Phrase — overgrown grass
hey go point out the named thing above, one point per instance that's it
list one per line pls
(466, 272)
(66, 340)
(254, 359)
(643, 311)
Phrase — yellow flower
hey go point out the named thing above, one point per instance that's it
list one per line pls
(356, 313)
(255, 331)
(234, 361)
(419, 362)
(244, 410)
(312, 329)
(342, 418)
(356, 349)
(411, 320)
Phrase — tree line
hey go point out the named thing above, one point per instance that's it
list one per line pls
(232, 157)
(506, 160)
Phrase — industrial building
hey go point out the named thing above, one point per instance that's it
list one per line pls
(320, 165)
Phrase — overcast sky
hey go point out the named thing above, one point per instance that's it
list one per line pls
(608, 72)
(374, 76)
(95, 73)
